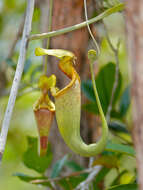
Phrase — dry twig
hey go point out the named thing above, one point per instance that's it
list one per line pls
(17, 77)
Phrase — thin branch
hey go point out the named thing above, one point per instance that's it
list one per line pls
(89, 179)
(106, 13)
(91, 160)
(17, 77)
(16, 38)
(73, 174)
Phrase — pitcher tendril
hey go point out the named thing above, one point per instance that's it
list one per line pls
(89, 30)
(68, 105)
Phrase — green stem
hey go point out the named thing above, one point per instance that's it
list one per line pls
(49, 29)
(95, 91)
(89, 30)
(50, 21)
(106, 13)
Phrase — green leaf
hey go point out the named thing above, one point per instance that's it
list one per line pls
(35, 71)
(27, 66)
(71, 182)
(124, 187)
(11, 63)
(116, 114)
(91, 107)
(32, 159)
(118, 127)
(29, 179)
(64, 184)
(100, 176)
(105, 160)
(25, 177)
(86, 87)
(73, 165)
(1, 22)
(58, 166)
(104, 82)
(36, 14)
(120, 130)
(117, 179)
(125, 149)
(125, 101)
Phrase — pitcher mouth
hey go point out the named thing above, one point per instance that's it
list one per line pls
(50, 108)
(66, 88)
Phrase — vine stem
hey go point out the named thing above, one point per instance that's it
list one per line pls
(106, 13)
(17, 77)
(50, 21)
(85, 184)
(95, 91)
(49, 29)
(89, 30)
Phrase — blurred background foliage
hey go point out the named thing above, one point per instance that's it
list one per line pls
(20, 157)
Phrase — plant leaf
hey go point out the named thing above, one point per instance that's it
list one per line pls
(73, 165)
(102, 173)
(118, 127)
(105, 160)
(104, 82)
(91, 107)
(25, 177)
(86, 87)
(35, 71)
(30, 179)
(11, 63)
(125, 149)
(27, 66)
(124, 187)
(125, 101)
(100, 177)
(117, 179)
(58, 166)
(116, 114)
(32, 159)
(71, 182)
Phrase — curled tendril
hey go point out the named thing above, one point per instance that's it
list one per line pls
(68, 105)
